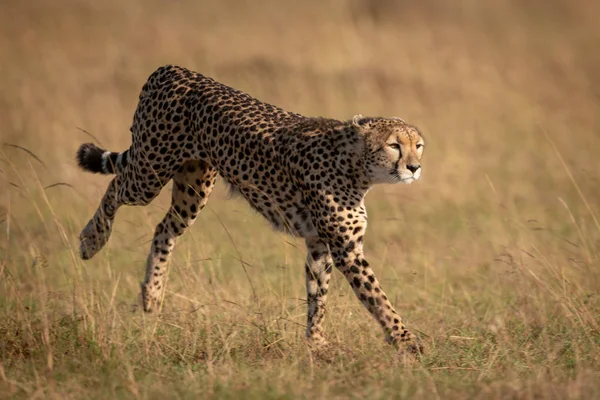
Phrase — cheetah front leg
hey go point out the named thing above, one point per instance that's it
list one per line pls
(318, 272)
(342, 227)
(191, 187)
(351, 262)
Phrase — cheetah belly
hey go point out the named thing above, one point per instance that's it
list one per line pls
(254, 171)
(283, 209)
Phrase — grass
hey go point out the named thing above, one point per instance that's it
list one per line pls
(493, 258)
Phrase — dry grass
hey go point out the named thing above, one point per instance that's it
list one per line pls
(494, 257)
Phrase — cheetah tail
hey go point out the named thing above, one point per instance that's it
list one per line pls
(94, 159)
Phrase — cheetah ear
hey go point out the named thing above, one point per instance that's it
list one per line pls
(399, 119)
(360, 121)
(356, 119)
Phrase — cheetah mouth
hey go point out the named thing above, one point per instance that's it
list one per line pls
(400, 178)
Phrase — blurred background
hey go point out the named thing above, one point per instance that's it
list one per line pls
(502, 227)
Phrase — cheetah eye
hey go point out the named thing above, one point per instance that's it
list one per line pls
(394, 146)
(419, 145)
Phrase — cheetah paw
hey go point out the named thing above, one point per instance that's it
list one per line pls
(410, 351)
(91, 240)
(150, 297)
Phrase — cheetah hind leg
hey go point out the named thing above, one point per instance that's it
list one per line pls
(97, 231)
(318, 273)
(120, 191)
(192, 185)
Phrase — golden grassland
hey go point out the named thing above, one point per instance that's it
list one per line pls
(493, 257)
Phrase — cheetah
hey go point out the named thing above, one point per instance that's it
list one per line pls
(307, 176)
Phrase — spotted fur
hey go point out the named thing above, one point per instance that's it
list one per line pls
(306, 176)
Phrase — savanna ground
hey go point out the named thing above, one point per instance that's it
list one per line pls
(493, 257)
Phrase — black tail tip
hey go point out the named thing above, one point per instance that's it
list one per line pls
(89, 158)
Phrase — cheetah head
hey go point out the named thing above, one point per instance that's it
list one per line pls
(393, 149)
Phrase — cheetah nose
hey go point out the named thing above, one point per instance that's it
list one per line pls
(413, 168)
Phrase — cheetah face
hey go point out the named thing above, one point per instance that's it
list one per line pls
(401, 155)
(393, 149)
